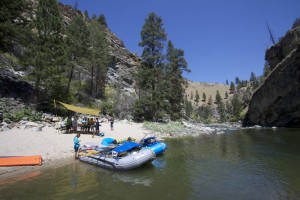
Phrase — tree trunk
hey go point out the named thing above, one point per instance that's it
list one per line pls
(92, 77)
(97, 80)
(70, 78)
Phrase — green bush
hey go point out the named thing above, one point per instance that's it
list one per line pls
(107, 108)
(32, 115)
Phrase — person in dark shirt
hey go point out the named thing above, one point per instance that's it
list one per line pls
(97, 127)
(112, 123)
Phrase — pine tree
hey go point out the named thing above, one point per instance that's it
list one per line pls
(175, 65)
(218, 98)
(253, 80)
(232, 87)
(99, 58)
(10, 30)
(236, 107)
(210, 100)
(77, 43)
(222, 112)
(237, 81)
(86, 14)
(203, 97)
(197, 98)
(45, 51)
(102, 20)
(150, 75)
(188, 108)
(227, 82)
(192, 95)
(226, 95)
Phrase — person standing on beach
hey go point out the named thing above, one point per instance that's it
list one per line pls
(76, 145)
(74, 124)
(112, 123)
(97, 126)
(68, 124)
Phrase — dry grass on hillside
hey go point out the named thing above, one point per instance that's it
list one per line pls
(208, 89)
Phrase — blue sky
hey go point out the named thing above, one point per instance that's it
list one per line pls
(222, 39)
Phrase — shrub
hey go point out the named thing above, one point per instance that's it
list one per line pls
(32, 115)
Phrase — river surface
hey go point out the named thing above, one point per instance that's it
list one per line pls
(241, 164)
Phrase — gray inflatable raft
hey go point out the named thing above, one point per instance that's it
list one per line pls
(114, 159)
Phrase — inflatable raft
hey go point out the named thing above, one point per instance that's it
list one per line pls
(156, 146)
(127, 156)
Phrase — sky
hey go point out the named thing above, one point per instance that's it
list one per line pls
(221, 39)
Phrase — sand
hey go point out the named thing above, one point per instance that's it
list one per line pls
(55, 146)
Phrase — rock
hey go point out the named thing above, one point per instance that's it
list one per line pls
(276, 102)
(37, 129)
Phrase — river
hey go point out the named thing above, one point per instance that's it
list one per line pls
(240, 164)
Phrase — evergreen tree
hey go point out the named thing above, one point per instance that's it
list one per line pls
(252, 77)
(102, 20)
(218, 98)
(86, 14)
(222, 112)
(253, 80)
(237, 81)
(209, 100)
(296, 23)
(205, 113)
(203, 97)
(188, 108)
(227, 82)
(77, 44)
(46, 47)
(236, 107)
(9, 30)
(226, 95)
(192, 95)
(197, 98)
(99, 58)
(150, 75)
(176, 64)
(232, 87)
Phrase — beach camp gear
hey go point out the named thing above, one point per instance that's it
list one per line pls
(107, 141)
(88, 111)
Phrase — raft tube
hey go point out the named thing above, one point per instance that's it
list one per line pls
(133, 160)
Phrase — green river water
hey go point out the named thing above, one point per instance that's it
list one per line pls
(241, 164)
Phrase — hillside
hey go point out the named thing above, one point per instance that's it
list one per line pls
(210, 89)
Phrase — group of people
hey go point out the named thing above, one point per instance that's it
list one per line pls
(87, 125)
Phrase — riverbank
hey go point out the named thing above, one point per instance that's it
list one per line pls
(56, 147)
(53, 145)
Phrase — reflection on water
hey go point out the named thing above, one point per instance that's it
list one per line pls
(241, 164)
(132, 179)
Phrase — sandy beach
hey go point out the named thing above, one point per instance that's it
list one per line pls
(56, 146)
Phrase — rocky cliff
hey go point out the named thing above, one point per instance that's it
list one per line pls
(277, 101)
(123, 62)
